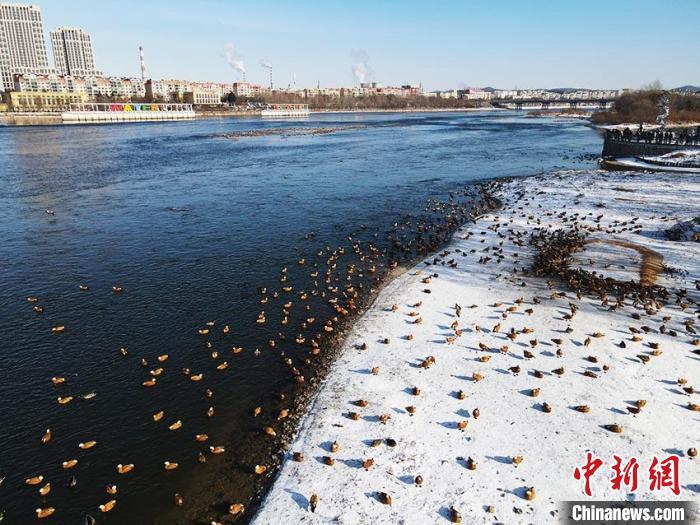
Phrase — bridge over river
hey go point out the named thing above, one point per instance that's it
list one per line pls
(562, 103)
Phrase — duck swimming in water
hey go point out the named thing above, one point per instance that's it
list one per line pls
(108, 506)
(123, 469)
(45, 512)
(33, 480)
(69, 464)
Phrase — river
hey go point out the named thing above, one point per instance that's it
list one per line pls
(191, 223)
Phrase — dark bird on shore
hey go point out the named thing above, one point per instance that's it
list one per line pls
(384, 498)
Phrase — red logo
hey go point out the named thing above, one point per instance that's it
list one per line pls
(662, 474)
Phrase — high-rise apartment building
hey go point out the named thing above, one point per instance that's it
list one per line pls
(72, 52)
(22, 44)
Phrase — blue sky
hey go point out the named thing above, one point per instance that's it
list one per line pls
(443, 44)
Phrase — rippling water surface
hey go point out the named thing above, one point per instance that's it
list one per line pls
(191, 224)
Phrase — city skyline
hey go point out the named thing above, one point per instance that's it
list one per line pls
(395, 44)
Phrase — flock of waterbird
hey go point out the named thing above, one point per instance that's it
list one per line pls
(555, 238)
(339, 281)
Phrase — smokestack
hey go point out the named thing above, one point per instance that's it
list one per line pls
(143, 64)
(267, 65)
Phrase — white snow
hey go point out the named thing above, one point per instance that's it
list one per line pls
(510, 423)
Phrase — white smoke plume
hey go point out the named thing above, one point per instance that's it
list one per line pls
(361, 70)
(266, 64)
(233, 59)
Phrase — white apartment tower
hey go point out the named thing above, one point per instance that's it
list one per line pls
(72, 52)
(22, 45)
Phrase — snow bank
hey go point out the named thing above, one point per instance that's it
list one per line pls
(429, 443)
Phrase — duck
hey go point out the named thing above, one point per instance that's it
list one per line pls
(69, 464)
(124, 469)
(108, 506)
(45, 512)
(34, 480)
(384, 498)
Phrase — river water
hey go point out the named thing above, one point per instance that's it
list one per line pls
(191, 224)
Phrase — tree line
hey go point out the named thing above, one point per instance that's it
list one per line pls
(641, 107)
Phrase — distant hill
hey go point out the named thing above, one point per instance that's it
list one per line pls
(687, 89)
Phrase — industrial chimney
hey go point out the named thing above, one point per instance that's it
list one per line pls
(143, 64)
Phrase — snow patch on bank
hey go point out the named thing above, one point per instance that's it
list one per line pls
(624, 206)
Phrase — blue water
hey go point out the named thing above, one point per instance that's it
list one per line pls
(191, 224)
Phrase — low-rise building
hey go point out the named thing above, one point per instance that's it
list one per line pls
(204, 97)
(118, 87)
(474, 94)
(126, 88)
(169, 90)
(40, 101)
(248, 90)
(449, 93)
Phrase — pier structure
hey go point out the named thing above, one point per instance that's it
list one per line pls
(628, 143)
(285, 110)
(81, 113)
